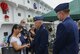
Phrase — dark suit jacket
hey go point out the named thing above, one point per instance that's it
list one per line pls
(67, 38)
(40, 42)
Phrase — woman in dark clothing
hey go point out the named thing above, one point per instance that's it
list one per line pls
(32, 34)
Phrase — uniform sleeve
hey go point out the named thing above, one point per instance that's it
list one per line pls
(61, 36)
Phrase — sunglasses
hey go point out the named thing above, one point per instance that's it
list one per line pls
(23, 22)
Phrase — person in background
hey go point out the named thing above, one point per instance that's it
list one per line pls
(79, 30)
(24, 34)
(24, 31)
(32, 34)
(67, 35)
(40, 42)
(50, 35)
(15, 40)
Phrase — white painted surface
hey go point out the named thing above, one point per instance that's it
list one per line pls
(17, 18)
(5, 28)
(1, 15)
(18, 1)
(10, 14)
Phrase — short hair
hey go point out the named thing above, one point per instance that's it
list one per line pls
(66, 10)
(22, 21)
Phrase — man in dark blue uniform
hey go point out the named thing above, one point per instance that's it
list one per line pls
(67, 36)
(40, 42)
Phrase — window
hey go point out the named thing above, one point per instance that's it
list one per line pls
(28, 15)
(5, 33)
(40, 7)
(19, 14)
(28, 1)
(44, 8)
(34, 5)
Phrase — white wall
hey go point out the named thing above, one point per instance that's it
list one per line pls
(28, 13)
(48, 9)
(27, 4)
(44, 11)
(19, 1)
(40, 9)
(31, 4)
(10, 14)
(1, 16)
(17, 18)
(5, 28)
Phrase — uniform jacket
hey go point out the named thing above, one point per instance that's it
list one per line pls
(67, 38)
(40, 42)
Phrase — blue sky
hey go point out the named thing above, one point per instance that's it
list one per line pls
(54, 3)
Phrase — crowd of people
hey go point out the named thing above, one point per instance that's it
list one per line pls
(36, 39)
